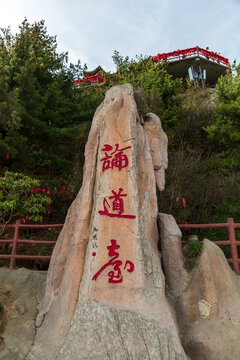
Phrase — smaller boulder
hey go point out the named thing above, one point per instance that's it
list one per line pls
(206, 300)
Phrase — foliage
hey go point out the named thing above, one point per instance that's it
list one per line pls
(226, 129)
(191, 253)
(195, 110)
(189, 151)
(46, 250)
(119, 59)
(44, 118)
(202, 169)
(194, 248)
(17, 198)
(202, 128)
(229, 203)
(154, 87)
(40, 124)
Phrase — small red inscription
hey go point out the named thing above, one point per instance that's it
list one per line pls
(117, 206)
(114, 158)
(115, 275)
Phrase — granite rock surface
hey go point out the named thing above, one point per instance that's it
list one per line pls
(206, 300)
(21, 299)
(105, 274)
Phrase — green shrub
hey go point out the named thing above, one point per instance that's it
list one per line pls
(194, 249)
(18, 200)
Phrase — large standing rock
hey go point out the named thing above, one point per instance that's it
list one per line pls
(206, 300)
(105, 296)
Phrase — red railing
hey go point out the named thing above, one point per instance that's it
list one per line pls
(170, 56)
(98, 78)
(186, 53)
(16, 240)
(231, 226)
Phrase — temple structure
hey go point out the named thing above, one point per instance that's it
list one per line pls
(91, 77)
(200, 65)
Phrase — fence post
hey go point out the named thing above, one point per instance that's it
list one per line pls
(232, 238)
(15, 244)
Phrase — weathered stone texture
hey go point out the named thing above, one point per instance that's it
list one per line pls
(158, 142)
(113, 334)
(21, 297)
(82, 249)
(206, 300)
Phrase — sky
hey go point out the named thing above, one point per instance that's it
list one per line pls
(90, 30)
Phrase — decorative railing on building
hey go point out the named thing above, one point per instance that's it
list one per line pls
(230, 225)
(94, 79)
(170, 56)
(190, 52)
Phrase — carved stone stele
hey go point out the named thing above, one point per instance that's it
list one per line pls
(105, 294)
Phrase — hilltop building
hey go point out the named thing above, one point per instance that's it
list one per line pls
(197, 63)
(91, 77)
(200, 65)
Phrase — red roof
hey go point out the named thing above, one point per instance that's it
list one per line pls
(98, 78)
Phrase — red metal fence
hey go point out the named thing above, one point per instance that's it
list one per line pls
(16, 240)
(230, 225)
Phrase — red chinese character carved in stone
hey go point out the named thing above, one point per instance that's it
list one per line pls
(115, 158)
(115, 275)
(117, 206)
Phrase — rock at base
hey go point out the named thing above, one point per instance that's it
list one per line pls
(21, 297)
(99, 332)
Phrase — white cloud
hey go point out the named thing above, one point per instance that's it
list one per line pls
(92, 30)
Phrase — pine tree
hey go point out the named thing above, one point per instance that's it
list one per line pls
(39, 105)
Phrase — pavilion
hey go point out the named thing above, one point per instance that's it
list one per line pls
(200, 65)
